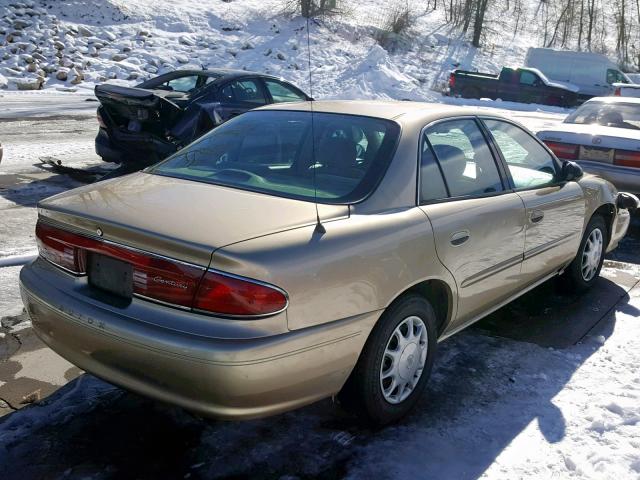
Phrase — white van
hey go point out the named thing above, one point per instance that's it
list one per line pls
(593, 73)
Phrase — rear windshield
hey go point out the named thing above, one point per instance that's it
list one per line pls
(621, 115)
(275, 152)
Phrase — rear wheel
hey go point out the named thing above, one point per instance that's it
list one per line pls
(585, 268)
(395, 363)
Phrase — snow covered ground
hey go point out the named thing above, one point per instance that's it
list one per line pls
(495, 408)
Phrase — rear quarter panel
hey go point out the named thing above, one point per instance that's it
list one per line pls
(359, 265)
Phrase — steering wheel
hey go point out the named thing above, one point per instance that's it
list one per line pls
(237, 172)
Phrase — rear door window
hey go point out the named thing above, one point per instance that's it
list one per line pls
(283, 93)
(530, 165)
(465, 158)
(245, 91)
(432, 186)
(183, 84)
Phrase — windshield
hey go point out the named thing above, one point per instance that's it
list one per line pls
(273, 152)
(621, 115)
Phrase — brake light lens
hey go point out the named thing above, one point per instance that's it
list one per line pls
(162, 279)
(626, 158)
(617, 92)
(61, 248)
(567, 151)
(228, 295)
(452, 80)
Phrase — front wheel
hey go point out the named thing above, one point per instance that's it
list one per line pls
(585, 268)
(395, 363)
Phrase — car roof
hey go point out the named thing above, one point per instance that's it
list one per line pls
(386, 109)
(224, 73)
(613, 100)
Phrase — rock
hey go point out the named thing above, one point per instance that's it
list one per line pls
(267, 52)
(29, 83)
(126, 49)
(19, 24)
(62, 74)
(66, 62)
(38, 56)
(75, 76)
(144, 33)
(98, 45)
(109, 36)
(3, 81)
(118, 57)
(248, 46)
(32, 68)
(280, 56)
(133, 76)
(26, 58)
(92, 51)
(84, 31)
(184, 40)
(58, 45)
(182, 58)
(49, 68)
(151, 69)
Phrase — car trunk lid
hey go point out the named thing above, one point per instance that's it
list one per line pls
(180, 219)
(594, 143)
(138, 110)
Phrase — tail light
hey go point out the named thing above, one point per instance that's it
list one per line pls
(617, 92)
(165, 280)
(452, 80)
(100, 120)
(626, 158)
(61, 248)
(566, 151)
(235, 296)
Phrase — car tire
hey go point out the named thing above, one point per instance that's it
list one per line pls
(408, 326)
(584, 270)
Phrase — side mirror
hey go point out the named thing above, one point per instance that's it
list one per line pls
(627, 201)
(571, 171)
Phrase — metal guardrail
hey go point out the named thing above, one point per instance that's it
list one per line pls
(17, 260)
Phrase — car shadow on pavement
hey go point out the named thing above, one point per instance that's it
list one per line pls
(483, 393)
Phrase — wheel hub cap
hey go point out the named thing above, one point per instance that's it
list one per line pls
(591, 254)
(403, 360)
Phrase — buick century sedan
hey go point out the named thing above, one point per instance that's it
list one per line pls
(310, 250)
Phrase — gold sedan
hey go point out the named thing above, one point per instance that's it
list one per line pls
(306, 250)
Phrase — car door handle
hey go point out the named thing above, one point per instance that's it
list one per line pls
(459, 238)
(536, 216)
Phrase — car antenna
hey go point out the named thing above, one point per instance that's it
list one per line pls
(319, 227)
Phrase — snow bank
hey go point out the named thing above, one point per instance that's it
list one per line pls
(75, 44)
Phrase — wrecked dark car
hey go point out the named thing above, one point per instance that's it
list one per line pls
(146, 123)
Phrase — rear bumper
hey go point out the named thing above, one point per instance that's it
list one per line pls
(625, 179)
(235, 377)
(140, 148)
